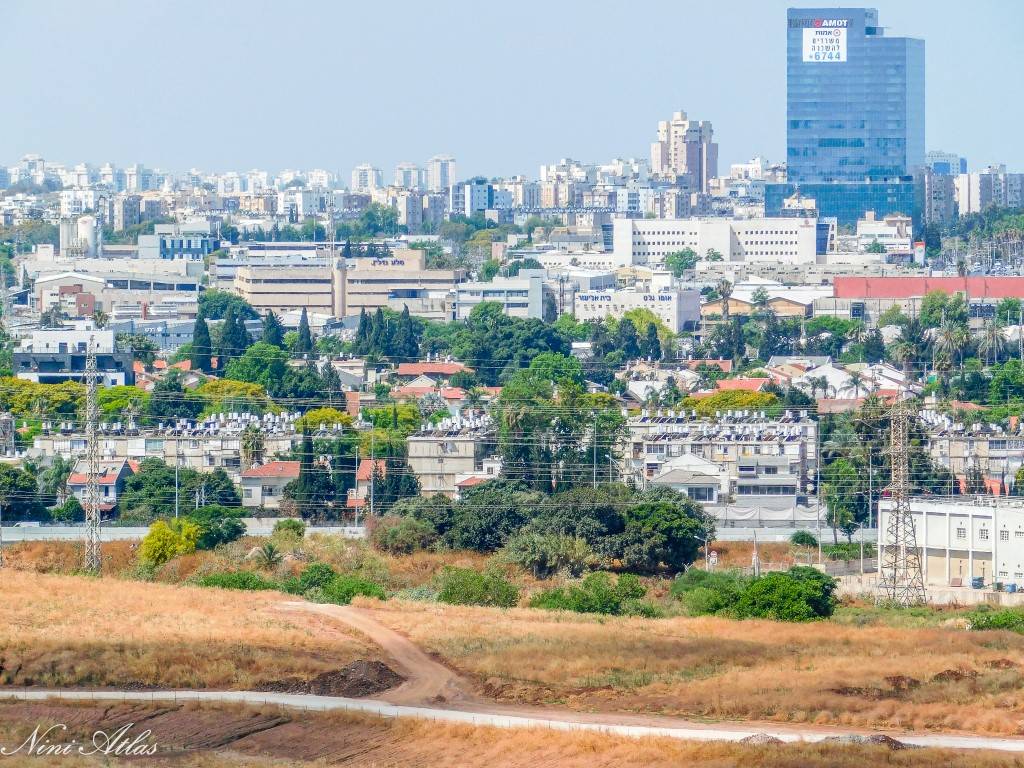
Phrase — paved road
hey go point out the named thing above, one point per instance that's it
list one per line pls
(433, 691)
(614, 725)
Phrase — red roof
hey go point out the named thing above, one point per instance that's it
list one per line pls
(724, 365)
(186, 365)
(908, 287)
(80, 478)
(744, 385)
(448, 393)
(366, 468)
(279, 469)
(425, 369)
(469, 482)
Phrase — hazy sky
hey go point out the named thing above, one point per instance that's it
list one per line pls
(225, 84)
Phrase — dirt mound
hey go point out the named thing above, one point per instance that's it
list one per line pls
(852, 690)
(902, 683)
(1001, 664)
(877, 738)
(759, 739)
(360, 678)
(954, 675)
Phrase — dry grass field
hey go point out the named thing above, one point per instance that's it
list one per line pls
(875, 676)
(70, 630)
(226, 737)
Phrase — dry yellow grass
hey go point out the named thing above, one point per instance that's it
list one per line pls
(69, 630)
(361, 741)
(719, 668)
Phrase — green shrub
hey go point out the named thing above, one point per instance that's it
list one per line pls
(847, 551)
(545, 554)
(597, 593)
(802, 594)
(169, 538)
(464, 586)
(1012, 620)
(290, 526)
(315, 575)
(803, 539)
(68, 512)
(343, 587)
(707, 592)
(403, 535)
(236, 580)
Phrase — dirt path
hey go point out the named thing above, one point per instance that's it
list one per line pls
(434, 691)
(427, 681)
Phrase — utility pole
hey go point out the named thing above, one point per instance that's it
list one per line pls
(92, 488)
(1, 535)
(177, 464)
(5, 300)
(595, 450)
(373, 471)
(900, 579)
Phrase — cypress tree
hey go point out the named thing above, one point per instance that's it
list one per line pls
(273, 333)
(304, 345)
(362, 332)
(201, 349)
(652, 343)
(405, 346)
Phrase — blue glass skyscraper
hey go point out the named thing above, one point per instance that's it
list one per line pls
(855, 114)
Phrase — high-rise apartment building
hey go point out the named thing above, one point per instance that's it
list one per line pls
(366, 178)
(440, 172)
(946, 163)
(855, 114)
(685, 148)
(408, 176)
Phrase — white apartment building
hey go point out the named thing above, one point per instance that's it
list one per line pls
(991, 187)
(521, 296)
(648, 241)
(409, 176)
(440, 173)
(967, 537)
(366, 178)
(441, 455)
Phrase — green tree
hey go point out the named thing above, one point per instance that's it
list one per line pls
(304, 344)
(679, 262)
(201, 346)
(168, 539)
(214, 304)
(273, 331)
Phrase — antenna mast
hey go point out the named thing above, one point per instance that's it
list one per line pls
(900, 579)
(92, 488)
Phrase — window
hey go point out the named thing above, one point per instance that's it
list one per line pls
(961, 533)
(247, 493)
(1018, 534)
(1004, 535)
(983, 534)
(701, 494)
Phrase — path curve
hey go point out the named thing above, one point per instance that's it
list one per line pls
(426, 681)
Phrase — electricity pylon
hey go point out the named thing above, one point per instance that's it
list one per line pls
(92, 488)
(900, 580)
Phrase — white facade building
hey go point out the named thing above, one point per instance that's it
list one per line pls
(648, 241)
(964, 538)
(440, 172)
(521, 296)
(679, 308)
(366, 178)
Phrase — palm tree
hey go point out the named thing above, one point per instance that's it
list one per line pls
(252, 446)
(100, 318)
(268, 556)
(991, 344)
(53, 481)
(724, 289)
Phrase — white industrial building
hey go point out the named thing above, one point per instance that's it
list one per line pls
(966, 537)
(521, 296)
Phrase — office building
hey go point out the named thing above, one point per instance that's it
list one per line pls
(855, 114)
(520, 296)
(685, 148)
(191, 241)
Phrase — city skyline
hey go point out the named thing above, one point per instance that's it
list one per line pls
(206, 88)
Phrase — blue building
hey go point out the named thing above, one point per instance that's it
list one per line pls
(855, 115)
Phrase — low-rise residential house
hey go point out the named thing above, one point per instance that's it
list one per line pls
(436, 370)
(360, 497)
(113, 475)
(263, 486)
